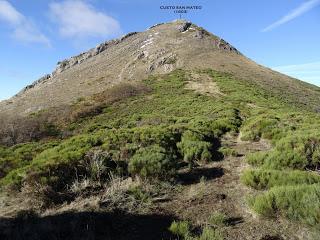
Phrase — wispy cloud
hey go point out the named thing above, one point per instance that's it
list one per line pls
(9, 14)
(23, 29)
(78, 19)
(309, 72)
(303, 8)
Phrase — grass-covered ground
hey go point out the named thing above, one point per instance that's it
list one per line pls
(154, 128)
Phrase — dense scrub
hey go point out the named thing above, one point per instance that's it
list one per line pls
(296, 151)
(55, 122)
(265, 179)
(146, 131)
(290, 170)
(156, 127)
(26, 129)
(297, 202)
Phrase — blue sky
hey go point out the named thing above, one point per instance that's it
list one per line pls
(36, 34)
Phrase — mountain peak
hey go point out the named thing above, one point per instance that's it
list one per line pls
(160, 49)
(170, 29)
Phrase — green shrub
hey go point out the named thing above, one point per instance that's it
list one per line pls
(139, 194)
(300, 202)
(261, 126)
(261, 179)
(193, 148)
(210, 234)
(153, 161)
(257, 158)
(56, 162)
(226, 151)
(296, 151)
(217, 219)
(20, 155)
(180, 228)
(163, 135)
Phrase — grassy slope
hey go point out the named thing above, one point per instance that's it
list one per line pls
(176, 125)
(159, 117)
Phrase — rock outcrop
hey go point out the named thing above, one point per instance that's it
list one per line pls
(43, 79)
(68, 63)
(222, 44)
(184, 26)
(75, 60)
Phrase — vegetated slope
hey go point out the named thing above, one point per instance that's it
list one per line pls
(137, 150)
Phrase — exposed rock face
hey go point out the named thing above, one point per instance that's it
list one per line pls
(184, 26)
(222, 44)
(68, 63)
(201, 33)
(165, 62)
(43, 79)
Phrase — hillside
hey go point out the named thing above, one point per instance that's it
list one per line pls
(160, 49)
(169, 133)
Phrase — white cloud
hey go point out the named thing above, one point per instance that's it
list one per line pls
(23, 28)
(309, 72)
(9, 14)
(28, 33)
(78, 19)
(303, 8)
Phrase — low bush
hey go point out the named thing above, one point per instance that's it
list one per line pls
(299, 202)
(262, 179)
(180, 228)
(20, 155)
(153, 162)
(209, 233)
(257, 158)
(193, 148)
(261, 126)
(296, 151)
(217, 219)
(226, 151)
(57, 162)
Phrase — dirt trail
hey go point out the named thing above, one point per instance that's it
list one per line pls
(224, 192)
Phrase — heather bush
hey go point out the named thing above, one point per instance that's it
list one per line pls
(262, 179)
(193, 148)
(298, 202)
(182, 229)
(217, 219)
(153, 161)
(226, 151)
(261, 126)
(296, 151)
